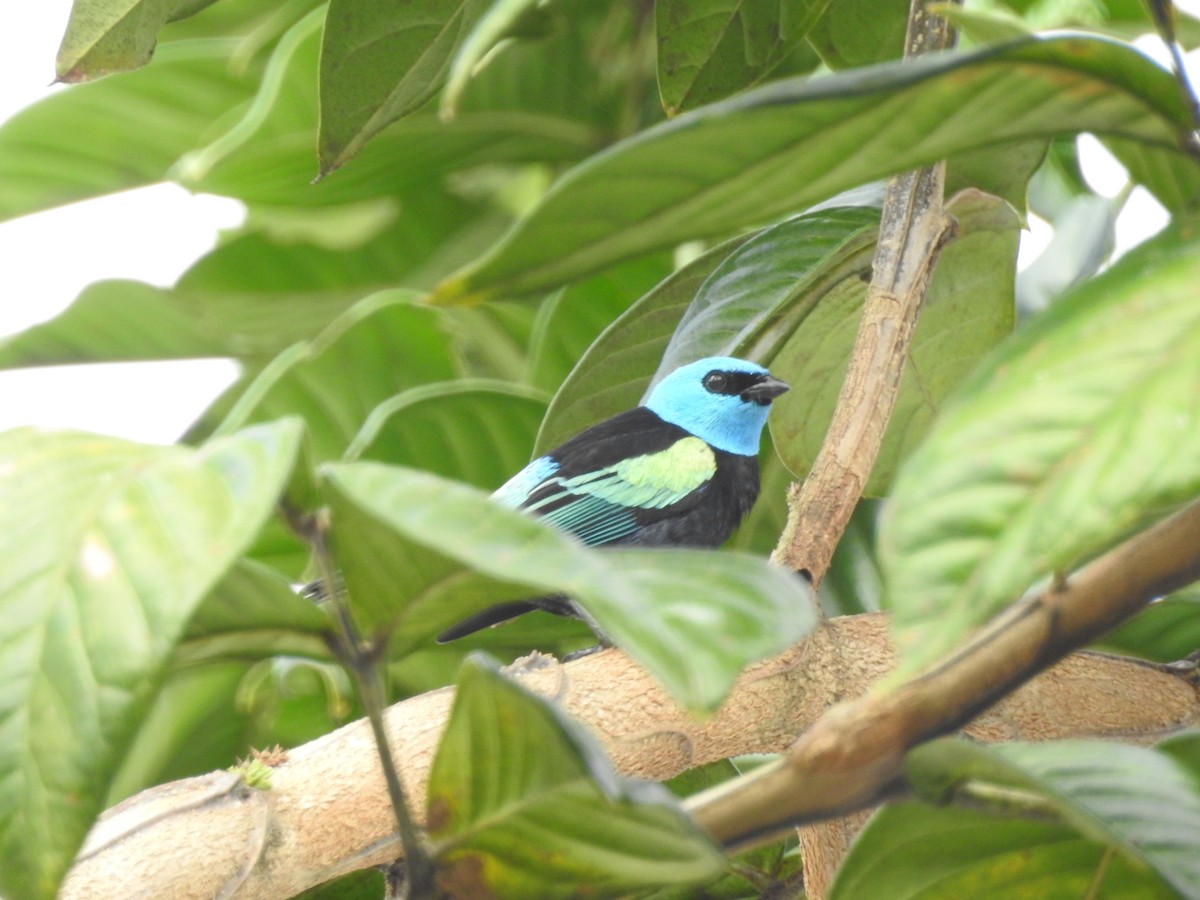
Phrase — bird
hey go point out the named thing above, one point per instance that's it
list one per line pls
(681, 470)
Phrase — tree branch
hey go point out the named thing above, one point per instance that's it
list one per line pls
(327, 813)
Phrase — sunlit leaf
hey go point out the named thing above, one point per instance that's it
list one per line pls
(523, 802)
(1085, 417)
(189, 88)
(784, 146)
(109, 548)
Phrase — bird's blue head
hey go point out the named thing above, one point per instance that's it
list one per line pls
(722, 400)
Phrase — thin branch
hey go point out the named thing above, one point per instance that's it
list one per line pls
(364, 662)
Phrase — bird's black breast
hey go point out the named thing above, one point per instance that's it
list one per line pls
(705, 518)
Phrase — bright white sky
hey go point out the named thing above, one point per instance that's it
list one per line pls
(154, 234)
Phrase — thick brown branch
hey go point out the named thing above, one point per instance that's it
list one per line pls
(327, 811)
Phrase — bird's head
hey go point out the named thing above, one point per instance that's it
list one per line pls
(722, 400)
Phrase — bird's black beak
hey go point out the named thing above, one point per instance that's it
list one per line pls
(765, 391)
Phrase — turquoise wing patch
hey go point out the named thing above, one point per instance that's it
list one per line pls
(602, 506)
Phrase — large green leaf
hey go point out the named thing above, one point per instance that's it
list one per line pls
(1075, 432)
(471, 430)
(781, 147)
(854, 33)
(910, 851)
(188, 89)
(523, 803)
(265, 157)
(613, 373)
(109, 547)
(693, 618)
(1143, 802)
(380, 61)
(708, 49)
(569, 322)
(379, 347)
(968, 310)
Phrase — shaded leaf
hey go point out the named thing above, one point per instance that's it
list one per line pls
(854, 33)
(381, 61)
(523, 802)
(471, 430)
(109, 548)
(106, 36)
(693, 618)
(380, 346)
(708, 49)
(799, 141)
(1142, 802)
(968, 310)
(910, 851)
(570, 321)
(501, 18)
(1084, 418)
(1165, 631)
(615, 370)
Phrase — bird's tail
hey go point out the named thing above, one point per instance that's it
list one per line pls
(491, 616)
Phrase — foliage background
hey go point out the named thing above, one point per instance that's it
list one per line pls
(436, 303)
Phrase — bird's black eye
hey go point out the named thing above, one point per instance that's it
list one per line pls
(715, 382)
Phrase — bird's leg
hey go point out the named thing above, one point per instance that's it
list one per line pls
(603, 641)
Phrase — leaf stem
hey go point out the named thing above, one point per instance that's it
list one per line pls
(364, 661)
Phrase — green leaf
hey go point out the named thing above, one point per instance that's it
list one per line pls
(1165, 631)
(109, 548)
(118, 320)
(252, 613)
(968, 311)
(189, 88)
(1076, 432)
(708, 49)
(502, 18)
(1142, 802)
(380, 346)
(694, 619)
(571, 320)
(615, 370)
(910, 851)
(781, 147)
(471, 430)
(106, 36)
(523, 802)
(854, 33)
(379, 62)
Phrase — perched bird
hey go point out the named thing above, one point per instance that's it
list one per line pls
(680, 471)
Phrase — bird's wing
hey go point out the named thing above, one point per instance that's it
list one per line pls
(612, 480)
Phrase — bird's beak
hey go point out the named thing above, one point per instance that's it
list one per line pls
(765, 391)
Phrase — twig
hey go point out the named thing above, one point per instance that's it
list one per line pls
(364, 662)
